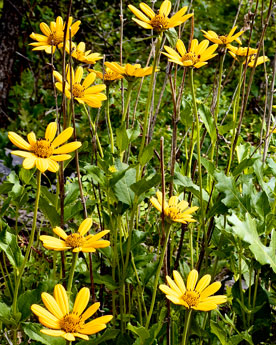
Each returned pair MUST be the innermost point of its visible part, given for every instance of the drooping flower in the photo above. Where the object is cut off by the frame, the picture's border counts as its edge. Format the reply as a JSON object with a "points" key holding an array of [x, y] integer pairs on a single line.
{"points": [[83, 93], [223, 39], [235, 52], [76, 241], [160, 21], [109, 75], [175, 211], [44, 153], [60, 322], [260, 60], [53, 36], [128, 71], [195, 296], [78, 52], [197, 55]]}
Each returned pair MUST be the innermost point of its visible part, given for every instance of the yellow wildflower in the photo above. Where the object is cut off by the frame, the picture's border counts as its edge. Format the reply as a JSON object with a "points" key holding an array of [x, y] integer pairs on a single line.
{"points": [[194, 296], [78, 52], [174, 211], [54, 35], [160, 21], [108, 76], [60, 322], [224, 39], [128, 71], [44, 153]]}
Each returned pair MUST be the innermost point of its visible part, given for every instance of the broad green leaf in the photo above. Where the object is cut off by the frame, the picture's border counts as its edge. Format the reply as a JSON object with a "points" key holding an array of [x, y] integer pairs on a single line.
{"points": [[186, 114], [189, 186], [49, 211], [5, 313], [122, 188], [133, 133], [207, 118], [171, 36], [33, 332], [8, 244], [26, 175], [142, 332], [26, 300], [247, 231], [72, 193], [109, 334], [72, 210], [95, 173], [47, 195], [144, 185], [147, 154], [219, 332], [122, 138]]}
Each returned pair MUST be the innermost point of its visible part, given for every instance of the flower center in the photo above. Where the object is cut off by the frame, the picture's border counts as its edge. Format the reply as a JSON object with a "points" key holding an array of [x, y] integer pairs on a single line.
{"points": [[223, 39], [78, 90], [159, 22], [74, 240], [191, 298], [71, 323], [189, 56], [43, 149], [172, 212], [55, 38]]}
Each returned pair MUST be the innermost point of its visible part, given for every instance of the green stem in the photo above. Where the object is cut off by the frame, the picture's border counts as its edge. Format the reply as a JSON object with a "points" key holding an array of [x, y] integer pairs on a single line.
{"points": [[108, 120], [240, 284], [71, 274], [148, 104], [31, 240], [191, 247], [198, 153], [168, 230], [94, 130], [186, 326], [235, 113], [128, 96]]}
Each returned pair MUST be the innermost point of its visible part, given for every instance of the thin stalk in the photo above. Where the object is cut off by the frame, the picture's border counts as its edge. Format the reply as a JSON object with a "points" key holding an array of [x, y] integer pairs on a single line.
{"points": [[148, 104], [191, 247], [240, 284], [161, 259], [31, 240], [108, 120], [71, 274], [186, 326], [128, 97], [94, 130]]}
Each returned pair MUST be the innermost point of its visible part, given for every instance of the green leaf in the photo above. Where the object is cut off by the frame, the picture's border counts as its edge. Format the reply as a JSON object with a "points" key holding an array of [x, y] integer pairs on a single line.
{"points": [[246, 163], [26, 300], [122, 188], [49, 211], [247, 231], [26, 175], [122, 138], [171, 36], [95, 173], [5, 313], [72, 210], [142, 332], [109, 334], [186, 114], [8, 244], [50, 197], [189, 186], [219, 332], [133, 133], [33, 332], [144, 185], [147, 154], [207, 118]]}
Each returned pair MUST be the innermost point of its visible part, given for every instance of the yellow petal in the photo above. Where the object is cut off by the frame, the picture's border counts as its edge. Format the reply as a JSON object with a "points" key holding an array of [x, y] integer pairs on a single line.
{"points": [[173, 201], [24, 154], [78, 75], [42, 312], [139, 14], [165, 8], [51, 131], [53, 333], [60, 158], [90, 78], [173, 286], [180, 47], [49, 323], [69, 337], [203, 283], [88, 329], [42, 164], [45, 29], [61, 298], [51, 304], [95, 89], [97, 236], [29, 163], [81, 301], [143, 24], [82, 336], [156, 204], [52, 165], [18, 141], [62, 137], [210, 290], [147, 10], [85, 226], [60, 232], [67, 148], [168, 291], [205, 306], [90, 311], [31, 138], [192, 279], [179, 281]]}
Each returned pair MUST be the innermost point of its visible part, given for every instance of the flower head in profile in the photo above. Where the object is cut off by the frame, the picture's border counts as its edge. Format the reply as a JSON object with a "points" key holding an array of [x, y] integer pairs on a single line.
{"points": [[78, 52], [260, 60], [76, 241], [240, 53], [195, 295], [109, 75], [60, 322], [53, 36], [83, 93], [159, 22], [175, 211], [44, 153], [223, 39], [128, 71], [197, 55]]}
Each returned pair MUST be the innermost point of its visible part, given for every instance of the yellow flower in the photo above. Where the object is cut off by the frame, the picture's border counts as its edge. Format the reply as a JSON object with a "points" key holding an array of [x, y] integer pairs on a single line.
{"points": [[53, 35], [76, 241], [260, 60], [78, 52], [60, 322], [109, 75], [130, 72], [159, 22], [112, 169], [174, 211], [195, 296], [44, 153], [83, 93], [235, 52], [223, 40], [196, 57]]}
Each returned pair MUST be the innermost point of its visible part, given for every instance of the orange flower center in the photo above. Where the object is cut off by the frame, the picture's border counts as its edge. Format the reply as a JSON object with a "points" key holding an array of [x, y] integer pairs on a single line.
{"points": [[79, 54], [172, 212], [74, 240], [78, 90], [190, 57], [71, 323], [111, 76], [191, 298], [43, 149], [55, 38], [159, 22], [223, 39]]}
